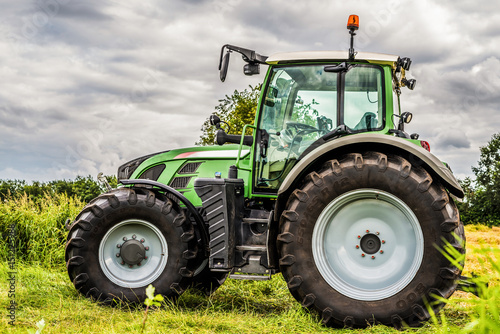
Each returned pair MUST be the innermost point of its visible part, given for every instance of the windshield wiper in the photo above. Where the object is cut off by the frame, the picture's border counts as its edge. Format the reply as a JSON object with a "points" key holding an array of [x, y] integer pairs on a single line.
{"points": [[342, 67]]}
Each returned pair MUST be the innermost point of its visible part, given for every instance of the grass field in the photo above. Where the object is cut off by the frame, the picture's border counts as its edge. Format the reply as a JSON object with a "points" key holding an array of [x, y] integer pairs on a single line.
{"points": [[43, 291]]}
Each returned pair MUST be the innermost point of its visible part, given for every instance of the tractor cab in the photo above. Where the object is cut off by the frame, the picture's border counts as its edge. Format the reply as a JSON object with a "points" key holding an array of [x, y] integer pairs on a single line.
{"points": [[310, 98], [305, 103]]}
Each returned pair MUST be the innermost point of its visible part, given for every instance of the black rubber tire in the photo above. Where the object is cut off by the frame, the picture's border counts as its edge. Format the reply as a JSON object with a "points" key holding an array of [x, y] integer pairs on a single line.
{"points": [[436, 213], [107, 210]]}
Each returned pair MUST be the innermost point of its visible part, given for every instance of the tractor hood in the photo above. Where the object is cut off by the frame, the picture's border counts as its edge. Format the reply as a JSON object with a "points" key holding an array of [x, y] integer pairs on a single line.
{"points": [[136, 168], [180, 167]]}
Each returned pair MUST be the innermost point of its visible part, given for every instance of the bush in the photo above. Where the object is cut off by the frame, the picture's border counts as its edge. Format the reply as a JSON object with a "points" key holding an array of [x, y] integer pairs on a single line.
{"points": [[40, 235], [85, 188]]}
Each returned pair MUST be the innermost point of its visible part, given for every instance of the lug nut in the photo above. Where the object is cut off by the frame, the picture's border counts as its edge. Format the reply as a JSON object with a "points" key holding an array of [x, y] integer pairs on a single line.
{"points": [[357, 246], [145, 258], [363, 255], [142, 240], [147, 248], [118, 246], [134, 236], [377, 233], [123, 262], [139, 264], [130, 266], [124, 238], [359, 237], [373, 257], [367, 231], [381, 252], [117, 254], [383, 241]]}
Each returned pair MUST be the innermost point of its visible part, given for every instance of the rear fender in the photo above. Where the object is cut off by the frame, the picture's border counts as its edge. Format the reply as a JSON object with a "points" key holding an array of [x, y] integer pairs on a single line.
{"points": [[362, 143]]}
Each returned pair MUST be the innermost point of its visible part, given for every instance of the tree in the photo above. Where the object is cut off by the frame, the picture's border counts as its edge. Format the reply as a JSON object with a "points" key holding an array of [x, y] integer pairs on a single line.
{"points": [[487, 192], [468, 209], [237, 110], [482, 196]]}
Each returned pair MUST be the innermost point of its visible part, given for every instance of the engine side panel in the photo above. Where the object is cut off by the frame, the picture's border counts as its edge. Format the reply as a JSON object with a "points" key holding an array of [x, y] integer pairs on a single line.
{"points": [[183, 167]]}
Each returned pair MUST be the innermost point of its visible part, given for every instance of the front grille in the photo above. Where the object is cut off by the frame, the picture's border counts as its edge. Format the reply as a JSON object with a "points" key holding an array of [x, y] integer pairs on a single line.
{"points": [[189, 168], [180, 182]]}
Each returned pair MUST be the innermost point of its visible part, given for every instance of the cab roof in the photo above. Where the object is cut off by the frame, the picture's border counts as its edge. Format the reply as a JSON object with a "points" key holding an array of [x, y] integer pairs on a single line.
{"points": [[305, 56]]}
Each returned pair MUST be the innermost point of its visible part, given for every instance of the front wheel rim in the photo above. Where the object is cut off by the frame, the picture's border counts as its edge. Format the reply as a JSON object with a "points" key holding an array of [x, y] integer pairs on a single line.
{"points": [[367, 244], [119, 268]]}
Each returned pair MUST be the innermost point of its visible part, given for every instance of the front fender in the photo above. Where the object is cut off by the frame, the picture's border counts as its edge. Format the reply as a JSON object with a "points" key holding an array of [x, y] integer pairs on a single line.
{"points": [[373, 141], [200, 222]]}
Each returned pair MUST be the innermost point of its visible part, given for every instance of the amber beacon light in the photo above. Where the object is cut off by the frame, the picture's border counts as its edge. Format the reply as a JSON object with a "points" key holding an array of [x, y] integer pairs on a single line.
{"points": [[353, 22]]}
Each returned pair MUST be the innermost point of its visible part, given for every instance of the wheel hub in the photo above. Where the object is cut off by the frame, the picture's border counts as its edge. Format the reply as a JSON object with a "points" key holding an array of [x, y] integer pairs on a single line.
{"points": [[370, 243], [132, 252]]}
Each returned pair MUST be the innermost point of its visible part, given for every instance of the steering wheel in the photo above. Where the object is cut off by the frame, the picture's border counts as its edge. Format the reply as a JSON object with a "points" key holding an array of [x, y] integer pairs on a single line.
{"points": [[301, 126], [300, 129]]}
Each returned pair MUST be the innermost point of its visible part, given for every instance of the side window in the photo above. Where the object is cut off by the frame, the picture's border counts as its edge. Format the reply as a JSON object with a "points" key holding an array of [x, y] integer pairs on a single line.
{"points": [[363, 100], [300, 106], [275, 102]]}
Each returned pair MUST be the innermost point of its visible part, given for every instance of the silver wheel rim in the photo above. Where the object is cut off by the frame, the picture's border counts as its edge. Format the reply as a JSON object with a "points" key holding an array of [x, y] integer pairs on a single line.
{"points": [[354, 269], [149, 269]]}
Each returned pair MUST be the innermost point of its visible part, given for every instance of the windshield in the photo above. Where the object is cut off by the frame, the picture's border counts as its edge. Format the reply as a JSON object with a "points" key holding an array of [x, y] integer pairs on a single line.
{"points": [[303, 103]]}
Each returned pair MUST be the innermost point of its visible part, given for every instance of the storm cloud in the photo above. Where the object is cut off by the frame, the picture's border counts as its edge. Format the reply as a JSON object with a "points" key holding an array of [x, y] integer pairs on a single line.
{"points": [[88, 85]]}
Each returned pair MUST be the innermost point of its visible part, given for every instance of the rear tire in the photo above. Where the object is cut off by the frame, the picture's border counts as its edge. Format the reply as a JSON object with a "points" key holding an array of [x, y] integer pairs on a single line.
{"points": [[359, 242], [125, 240]]}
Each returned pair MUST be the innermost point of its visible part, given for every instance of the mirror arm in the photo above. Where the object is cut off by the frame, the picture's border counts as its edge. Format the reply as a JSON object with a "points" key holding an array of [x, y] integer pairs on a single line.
{"points": [[249, 56]]}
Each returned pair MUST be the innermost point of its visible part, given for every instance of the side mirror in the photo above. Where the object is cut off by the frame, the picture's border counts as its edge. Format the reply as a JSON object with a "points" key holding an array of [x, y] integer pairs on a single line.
{"points": [[252, 58], [224, 64]]}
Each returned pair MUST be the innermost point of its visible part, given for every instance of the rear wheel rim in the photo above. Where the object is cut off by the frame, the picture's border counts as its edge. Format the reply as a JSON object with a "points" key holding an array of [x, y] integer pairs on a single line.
{"points": [[118, 267], [367, 244]]}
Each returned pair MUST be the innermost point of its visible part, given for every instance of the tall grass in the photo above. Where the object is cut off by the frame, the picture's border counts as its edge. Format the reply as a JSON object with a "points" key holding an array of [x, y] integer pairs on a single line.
{"points": [[483, 266], [44, 291], [40, 234]]}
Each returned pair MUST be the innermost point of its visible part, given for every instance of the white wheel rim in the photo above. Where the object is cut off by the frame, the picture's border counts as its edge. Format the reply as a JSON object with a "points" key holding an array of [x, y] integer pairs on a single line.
{"points": [[351, 268], [134, 276]]}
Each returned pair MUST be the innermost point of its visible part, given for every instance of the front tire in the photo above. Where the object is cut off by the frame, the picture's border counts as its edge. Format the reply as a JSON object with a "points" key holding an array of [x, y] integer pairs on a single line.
{"points": [[359, 242], [125, 240]]}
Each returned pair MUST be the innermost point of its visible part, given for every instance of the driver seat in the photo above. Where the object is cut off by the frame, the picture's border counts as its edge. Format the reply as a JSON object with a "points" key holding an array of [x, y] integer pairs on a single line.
{"points": [[368, 122]]}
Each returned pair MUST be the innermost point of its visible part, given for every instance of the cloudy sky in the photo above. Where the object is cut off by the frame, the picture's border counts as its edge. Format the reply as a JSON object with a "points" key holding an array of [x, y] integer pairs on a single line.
{"points": [[89, 85]]}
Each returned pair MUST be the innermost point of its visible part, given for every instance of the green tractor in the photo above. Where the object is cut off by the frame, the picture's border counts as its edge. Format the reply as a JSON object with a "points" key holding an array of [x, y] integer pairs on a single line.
{"points": [[329, 190]]}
